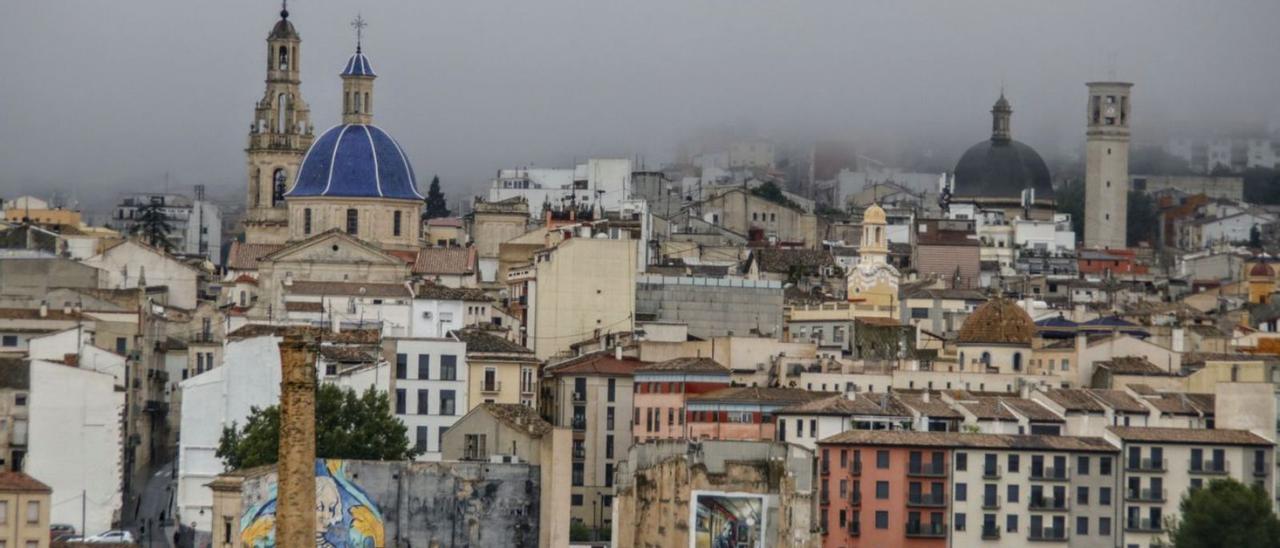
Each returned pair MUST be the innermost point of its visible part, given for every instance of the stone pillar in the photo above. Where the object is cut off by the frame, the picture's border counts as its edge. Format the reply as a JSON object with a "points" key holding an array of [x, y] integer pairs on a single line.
{"points": [[296, 488]]}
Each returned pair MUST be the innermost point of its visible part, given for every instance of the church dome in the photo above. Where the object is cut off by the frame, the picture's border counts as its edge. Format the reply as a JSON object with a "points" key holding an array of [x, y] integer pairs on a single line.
{"points": [[998, 321], [358, 65], [1262, 270], [1001, 167], [873, 215], [355, 161], [283, 28]]}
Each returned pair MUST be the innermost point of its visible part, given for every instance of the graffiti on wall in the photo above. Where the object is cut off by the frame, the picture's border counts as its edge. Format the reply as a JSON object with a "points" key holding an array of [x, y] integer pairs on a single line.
{"points": [[345, 517]]}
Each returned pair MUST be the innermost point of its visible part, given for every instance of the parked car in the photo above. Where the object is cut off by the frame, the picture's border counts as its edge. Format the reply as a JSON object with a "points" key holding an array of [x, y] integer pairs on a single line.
{"points": [[58, 530], [112, 536]]}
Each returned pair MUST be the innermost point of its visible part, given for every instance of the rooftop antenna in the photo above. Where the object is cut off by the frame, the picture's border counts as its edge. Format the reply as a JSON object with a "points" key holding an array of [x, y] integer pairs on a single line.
{"points": [[358, 24]]}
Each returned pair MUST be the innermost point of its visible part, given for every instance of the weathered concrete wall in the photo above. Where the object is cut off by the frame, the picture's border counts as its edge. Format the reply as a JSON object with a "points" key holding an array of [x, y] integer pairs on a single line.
{"points": [[712, 307], [401, 504]]}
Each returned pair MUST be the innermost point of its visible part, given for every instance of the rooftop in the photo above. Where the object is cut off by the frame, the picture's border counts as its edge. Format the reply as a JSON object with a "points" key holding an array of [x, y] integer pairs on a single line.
{"points": [[1187, 436], [757, 394], [445, 261], [518, 416], [838, 404], [1133, 365], [348, 288], [479, 341], [596, 363], [685, 365], [11, 482], [1015, 442]]}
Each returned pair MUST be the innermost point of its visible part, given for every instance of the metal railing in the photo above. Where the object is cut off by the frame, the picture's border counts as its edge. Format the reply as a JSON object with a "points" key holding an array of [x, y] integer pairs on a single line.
{"points": [[1047, 503], [931, 469], [991, 472], [930, 530], [990, 532], [926, 499], [1143, 525], [1050, 474], [1145, 495], [578, 423], [491, 387], [1147, 465], [1209, 467], [1048, 533]]}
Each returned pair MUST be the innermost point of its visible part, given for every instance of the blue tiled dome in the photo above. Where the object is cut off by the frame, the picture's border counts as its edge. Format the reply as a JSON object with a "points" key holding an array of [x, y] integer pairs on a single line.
{"points": [[356, 161], [358, 65]]}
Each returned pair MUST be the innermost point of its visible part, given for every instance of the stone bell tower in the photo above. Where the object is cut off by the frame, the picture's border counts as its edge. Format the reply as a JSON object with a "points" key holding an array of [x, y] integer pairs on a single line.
{"points": [[279, 137], [1106, 173]]}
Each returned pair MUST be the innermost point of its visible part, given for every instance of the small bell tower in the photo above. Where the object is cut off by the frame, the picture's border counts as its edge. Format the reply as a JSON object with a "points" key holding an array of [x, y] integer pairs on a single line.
{"points": [[357, 82]]}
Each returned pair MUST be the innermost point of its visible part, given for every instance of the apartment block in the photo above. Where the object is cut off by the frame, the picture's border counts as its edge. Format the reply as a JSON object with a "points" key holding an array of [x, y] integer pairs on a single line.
{"points": [[662, 391], [429, 389]]}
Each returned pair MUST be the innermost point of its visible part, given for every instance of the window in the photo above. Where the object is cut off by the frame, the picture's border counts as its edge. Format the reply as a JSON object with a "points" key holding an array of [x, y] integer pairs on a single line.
{"points": [[353, 221], [1012, 493], [608, 418], [962, 461], [612, 389], [882, 519], [121, 345], [1082, 465], [1013, 463], [10, 340], [962, 492], [226, 530], [577, 474], [1082, 495], [882, 490], [882, 459], [4, 512], [1082, 525], [402, 366], [306, 221], [447, 406], [1011, 523], [33, 511], [395, 223], [1104, 466], [1104, 526], [1104, 496], [424, 366], [448, 368], [424, 397], [420, 441], [608, 446], [575, 499], [400, 403], [960, 521]]}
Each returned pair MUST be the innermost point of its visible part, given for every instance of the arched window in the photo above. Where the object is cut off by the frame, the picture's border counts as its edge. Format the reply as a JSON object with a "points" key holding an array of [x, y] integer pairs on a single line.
{"points": [[282, 105], [306, 221], [244, 299], [358, 104], [283, 61], [353, 221], [367, 107], [346, 102], [1017, 361], [278, 181], [986, 359], [962, 360], [877, 235]]}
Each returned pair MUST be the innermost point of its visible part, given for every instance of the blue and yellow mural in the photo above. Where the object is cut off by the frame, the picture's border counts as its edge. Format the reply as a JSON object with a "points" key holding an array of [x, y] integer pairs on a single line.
{"points": [[345, 517]]}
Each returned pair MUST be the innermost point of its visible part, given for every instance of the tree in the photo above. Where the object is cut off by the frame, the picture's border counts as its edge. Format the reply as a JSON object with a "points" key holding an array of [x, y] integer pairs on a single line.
{"points": [[1226, 513], [347, 427], [1141, 219], [771, 192], [153, 226], [436, 206]]}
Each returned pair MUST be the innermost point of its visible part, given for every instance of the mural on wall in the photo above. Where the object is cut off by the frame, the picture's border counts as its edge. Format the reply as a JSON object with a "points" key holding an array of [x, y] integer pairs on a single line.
{"points": [[345, 517], [728, 520]]}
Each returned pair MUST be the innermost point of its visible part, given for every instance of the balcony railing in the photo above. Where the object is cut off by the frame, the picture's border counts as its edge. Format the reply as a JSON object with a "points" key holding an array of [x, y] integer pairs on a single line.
{"points": [[990, 503], [1144, 525], [1048, 504], [1145, 495], [1050, 474], [855, 528], [1260, 470], [825, 497], [579, 453], [491, 387], [990, 532], [928, 530], [855, 467], [1147, 465], [923, 499], [579, 397], [991, 472], [826, 467], [855, 498], [1209, 467], [931, 469], [1048, 534], [579, 423]]}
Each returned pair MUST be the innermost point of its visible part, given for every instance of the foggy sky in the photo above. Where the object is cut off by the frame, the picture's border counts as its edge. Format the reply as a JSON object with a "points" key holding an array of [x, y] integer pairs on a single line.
{"points": [[110, 95]]}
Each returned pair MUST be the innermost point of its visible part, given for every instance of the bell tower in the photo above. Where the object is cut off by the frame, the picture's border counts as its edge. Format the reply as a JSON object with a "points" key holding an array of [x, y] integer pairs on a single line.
{"points": [[1106, 174], [279, 137], [357, 82]]}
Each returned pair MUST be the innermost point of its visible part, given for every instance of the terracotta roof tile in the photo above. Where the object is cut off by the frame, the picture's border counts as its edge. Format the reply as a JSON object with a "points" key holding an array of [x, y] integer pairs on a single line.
{"points": [[909, 438], [783, 260], [1075, 400], [243, 256], [445, 261], [19, 482], [294, 306], [519, 417], [350, 336], [597, 363], [757, 394], [999, 321], [685, 365], [1188, 436], [1133, 365], [1119, 400], [867, 405], [935, 407], [348, 288], [15, 373], [478, 341]]}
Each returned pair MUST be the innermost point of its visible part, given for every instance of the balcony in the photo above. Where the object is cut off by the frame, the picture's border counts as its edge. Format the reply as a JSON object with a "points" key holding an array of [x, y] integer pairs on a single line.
{"points": [[1260, 471], [1046, 504], [579, 423], [1144, 495], [855, 498], [991, 503], [990, 532], [1144, 525], [855, 529], [929, 470], [1049, 534], [826, 467], [926, 530], [824, 498], [930, 500], [991, 472], [490, 387], [1209, 467], [579, 397], [1147, 465], [1050, 474], [855, 468], [579, 452]]}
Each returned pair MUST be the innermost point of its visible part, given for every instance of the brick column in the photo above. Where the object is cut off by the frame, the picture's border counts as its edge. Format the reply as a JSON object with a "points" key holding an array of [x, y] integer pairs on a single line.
{"points": [[296, 488]]}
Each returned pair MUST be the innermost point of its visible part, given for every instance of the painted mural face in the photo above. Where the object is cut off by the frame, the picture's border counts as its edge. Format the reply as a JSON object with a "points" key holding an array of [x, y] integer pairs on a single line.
{"points": [[345, 516]]}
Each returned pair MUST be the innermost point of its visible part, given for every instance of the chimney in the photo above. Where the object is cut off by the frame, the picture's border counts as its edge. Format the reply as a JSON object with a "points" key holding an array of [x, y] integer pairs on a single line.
{"points": [[44, 309], [296, 486], [335, 324], [617, 352], [1178, 339], [66, 307], [1082, 342], [925, 396]]}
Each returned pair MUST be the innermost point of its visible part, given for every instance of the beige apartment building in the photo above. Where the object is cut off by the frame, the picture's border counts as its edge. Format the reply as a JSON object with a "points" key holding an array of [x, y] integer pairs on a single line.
{"points": [[500, 371], [580, 289], [24, 511], [592, 394]]}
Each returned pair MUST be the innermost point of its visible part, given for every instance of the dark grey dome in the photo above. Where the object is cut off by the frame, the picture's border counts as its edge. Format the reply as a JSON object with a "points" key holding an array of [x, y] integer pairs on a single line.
{"points": [[1002, 169]]}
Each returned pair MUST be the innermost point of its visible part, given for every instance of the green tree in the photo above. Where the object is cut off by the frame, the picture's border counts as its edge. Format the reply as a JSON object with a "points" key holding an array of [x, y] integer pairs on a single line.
{"points": [[153, 226], [771, 192], [1226, 513], [436, 206], [348, 426], [1142, 219]]}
